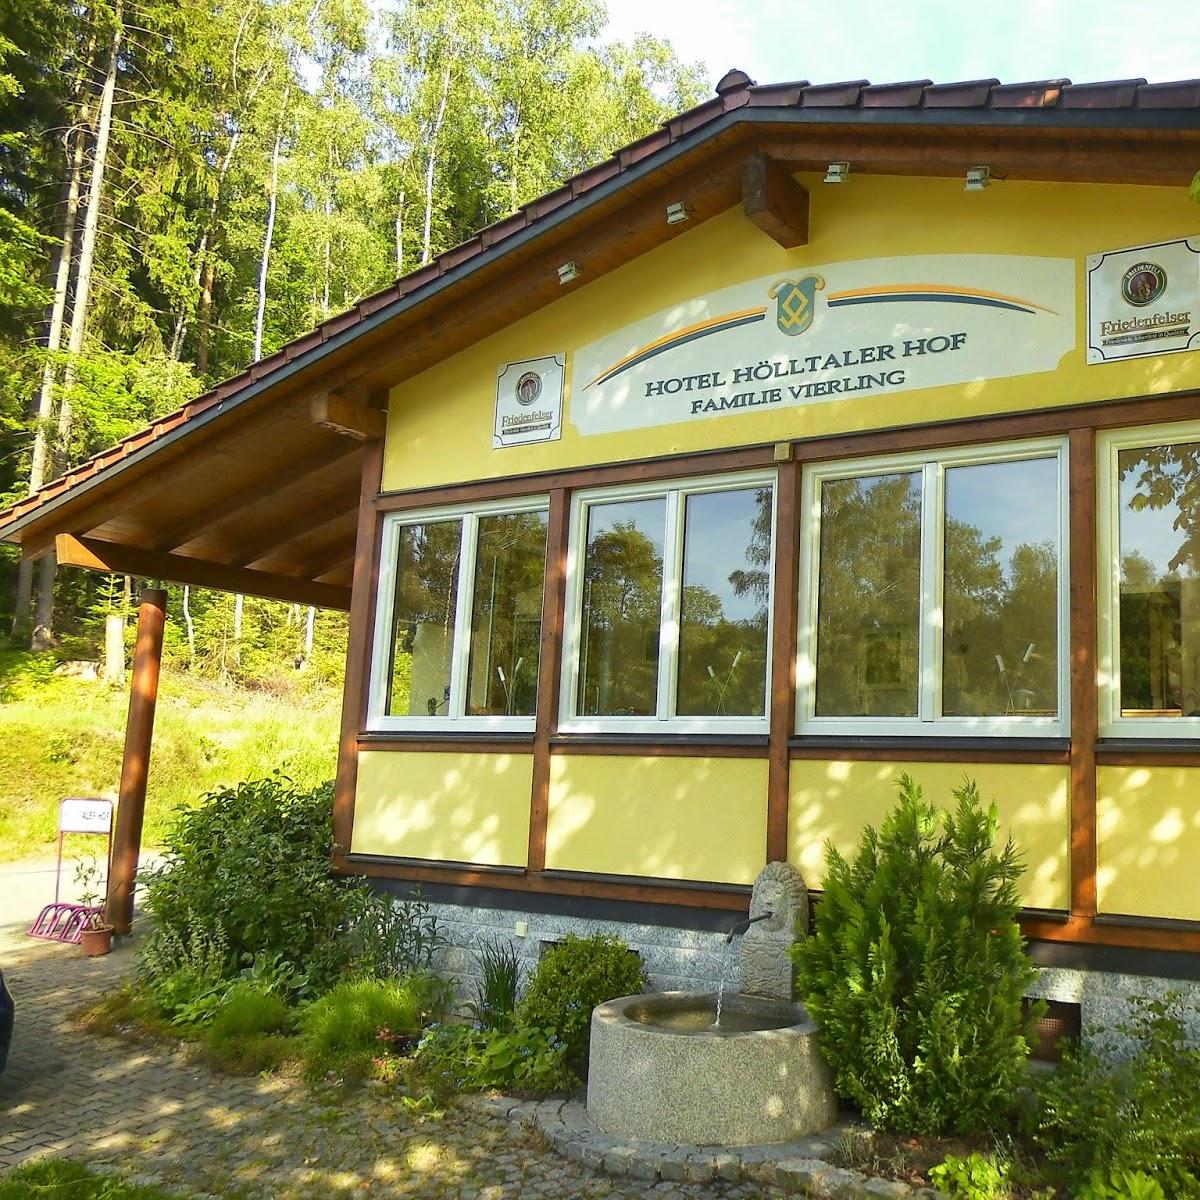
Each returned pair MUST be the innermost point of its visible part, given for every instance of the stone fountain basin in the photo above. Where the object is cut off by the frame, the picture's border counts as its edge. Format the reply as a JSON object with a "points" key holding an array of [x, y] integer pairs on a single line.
{"points": [[659, 1070]]}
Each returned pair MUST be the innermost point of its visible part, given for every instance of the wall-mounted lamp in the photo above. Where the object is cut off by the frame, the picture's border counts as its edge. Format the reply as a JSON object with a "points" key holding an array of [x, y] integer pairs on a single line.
{"points": [[677, 213], [568, 271], [978, 178], [837, 172]]}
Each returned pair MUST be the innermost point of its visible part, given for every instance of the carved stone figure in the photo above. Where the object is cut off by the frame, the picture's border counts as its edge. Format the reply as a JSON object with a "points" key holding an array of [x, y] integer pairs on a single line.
{"points": [[764, 968]]}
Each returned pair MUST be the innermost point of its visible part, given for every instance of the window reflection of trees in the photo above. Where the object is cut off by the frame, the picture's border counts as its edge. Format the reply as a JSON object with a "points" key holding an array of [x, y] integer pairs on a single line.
{"points": [[723, 659], [510, 565], [1160, 601], [622, 598], [427, 563]]}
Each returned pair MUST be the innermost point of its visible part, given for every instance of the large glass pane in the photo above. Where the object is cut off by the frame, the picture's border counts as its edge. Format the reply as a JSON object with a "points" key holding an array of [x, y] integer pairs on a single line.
{"points": [[1000, 603], [506, 615], [622, 597], [1160, 580], [423, 619], [869, 596], [723, 611]]}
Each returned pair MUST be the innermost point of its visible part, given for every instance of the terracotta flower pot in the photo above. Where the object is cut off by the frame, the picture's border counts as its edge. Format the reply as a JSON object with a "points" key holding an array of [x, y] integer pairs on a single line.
{"points": [[96, 942]]}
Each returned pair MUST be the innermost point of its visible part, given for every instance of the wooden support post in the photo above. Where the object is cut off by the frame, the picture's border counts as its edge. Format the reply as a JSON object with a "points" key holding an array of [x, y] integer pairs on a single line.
{"points": [[139, 737]]}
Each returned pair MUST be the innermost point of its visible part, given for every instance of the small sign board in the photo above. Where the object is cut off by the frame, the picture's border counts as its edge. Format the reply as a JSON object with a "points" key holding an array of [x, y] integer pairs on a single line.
{"points": [[529, 398], [1143, 301], [85, 815]]}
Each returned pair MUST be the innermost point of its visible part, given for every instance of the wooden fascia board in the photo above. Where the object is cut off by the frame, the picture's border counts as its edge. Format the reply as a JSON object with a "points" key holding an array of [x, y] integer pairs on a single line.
{"points": [[152, 564]]}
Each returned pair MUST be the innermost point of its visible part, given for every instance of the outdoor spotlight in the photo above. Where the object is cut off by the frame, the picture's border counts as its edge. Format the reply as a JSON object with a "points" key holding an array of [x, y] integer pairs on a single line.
{"points": [[978, 178], [677, 213], [568, 271], [837, 172]]}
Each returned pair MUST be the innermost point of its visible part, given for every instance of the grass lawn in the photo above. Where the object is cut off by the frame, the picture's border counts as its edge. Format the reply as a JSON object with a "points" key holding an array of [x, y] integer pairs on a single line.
{"points": [[64, 737], [69, 1181]]}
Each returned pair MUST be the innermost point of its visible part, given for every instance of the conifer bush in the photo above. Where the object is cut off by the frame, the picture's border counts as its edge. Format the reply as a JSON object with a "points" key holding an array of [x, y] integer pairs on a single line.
{"points": [[916, 970]]}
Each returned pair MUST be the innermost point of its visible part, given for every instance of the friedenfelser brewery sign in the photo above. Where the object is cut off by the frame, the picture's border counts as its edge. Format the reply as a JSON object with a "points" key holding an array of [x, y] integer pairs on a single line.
{"points": [[1144, 301], [529, 401], [831, 332]]}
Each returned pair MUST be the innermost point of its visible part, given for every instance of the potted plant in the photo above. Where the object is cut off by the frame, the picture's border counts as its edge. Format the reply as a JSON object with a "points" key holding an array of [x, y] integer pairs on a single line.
{"points": [[96, 935]]}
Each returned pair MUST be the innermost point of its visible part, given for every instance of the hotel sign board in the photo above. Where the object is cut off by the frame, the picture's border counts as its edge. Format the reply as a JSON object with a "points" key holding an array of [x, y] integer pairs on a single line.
{"points": [[829, 332], [1143, 301], [529, 398]]}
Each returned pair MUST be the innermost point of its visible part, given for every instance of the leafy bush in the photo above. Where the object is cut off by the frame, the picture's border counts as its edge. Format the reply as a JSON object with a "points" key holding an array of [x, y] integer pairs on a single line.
{"points": [[247, 1008], [524, 1060], [393, 937], [1121, 1185], [186, 972], [499, 985], [251, 863], [916, 969], [572, 977], [976, 1177], [1101, 1118]]}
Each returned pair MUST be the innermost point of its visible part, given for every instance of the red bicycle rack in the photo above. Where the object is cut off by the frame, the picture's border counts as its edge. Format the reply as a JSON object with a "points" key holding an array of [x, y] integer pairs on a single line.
{"points": [[64, 921]]}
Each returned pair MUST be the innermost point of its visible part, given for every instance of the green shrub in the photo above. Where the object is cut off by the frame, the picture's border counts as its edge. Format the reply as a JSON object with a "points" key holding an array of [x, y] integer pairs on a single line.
{"points": [[361, 1018], [186, 973], [499, 985], [1121, 1185], [251, 1053], [251, 863], [976, 1177], [524, 1060], [572, 977], [247, 1008], [391, 937], [916, 969], [1103, 1118]]}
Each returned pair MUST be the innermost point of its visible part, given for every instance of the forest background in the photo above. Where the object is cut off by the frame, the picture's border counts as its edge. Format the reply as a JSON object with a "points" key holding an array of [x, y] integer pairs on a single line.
{"points": [[186, 185]]}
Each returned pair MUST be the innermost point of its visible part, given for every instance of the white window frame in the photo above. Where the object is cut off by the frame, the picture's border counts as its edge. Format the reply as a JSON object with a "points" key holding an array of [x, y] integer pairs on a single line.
{"points": [[456, 719], [1108, 582], [928, 722], [666, 721]]}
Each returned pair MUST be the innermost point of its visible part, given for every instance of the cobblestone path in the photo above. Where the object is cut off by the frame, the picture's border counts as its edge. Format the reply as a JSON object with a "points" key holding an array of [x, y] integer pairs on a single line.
{"points": [[152, 1115]]}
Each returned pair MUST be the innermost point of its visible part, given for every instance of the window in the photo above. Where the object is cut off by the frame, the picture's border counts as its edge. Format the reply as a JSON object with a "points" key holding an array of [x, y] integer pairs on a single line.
{"points": [[669, 600], [1149, 597], [934, 594], [458, 623]]}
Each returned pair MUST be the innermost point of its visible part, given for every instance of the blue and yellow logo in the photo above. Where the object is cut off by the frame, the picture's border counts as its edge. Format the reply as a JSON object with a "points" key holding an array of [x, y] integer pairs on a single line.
{"points": [[795, 303]]}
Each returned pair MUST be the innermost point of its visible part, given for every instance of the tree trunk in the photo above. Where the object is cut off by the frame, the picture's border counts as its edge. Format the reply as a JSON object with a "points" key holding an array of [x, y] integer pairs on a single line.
{"points": [[260, 316], [44, 410], [191, 626], [400, 236], [430, 166], [204, 322], [308, 636], [114, 647], [43, 620]]}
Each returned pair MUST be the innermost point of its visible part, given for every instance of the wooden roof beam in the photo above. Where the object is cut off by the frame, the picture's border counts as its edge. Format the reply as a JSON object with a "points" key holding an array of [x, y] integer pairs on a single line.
{"points": [[296, 526], [326, 555], [774, 201], [348, 413], [270, 485], [151, 564]]}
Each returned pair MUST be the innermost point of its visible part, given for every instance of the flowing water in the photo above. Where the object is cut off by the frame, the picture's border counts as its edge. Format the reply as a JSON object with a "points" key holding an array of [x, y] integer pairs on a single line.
{"points": [[721, 984]]}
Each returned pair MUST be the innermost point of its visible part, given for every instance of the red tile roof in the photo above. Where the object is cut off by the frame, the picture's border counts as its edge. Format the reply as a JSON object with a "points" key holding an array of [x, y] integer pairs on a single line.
{"points": [[973, 98]]}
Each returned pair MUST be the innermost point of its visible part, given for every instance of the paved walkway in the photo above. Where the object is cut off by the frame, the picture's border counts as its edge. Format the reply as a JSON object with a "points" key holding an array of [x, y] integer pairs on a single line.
{"points": [[153, 1115]]}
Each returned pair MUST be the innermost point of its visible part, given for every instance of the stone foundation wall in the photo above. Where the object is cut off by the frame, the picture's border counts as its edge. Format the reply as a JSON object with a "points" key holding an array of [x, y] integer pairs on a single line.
{"points": [[691, 960], [675, 959]]}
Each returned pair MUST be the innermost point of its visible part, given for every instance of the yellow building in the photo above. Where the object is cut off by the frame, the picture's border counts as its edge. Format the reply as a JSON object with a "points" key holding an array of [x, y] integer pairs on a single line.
{"points": [[826, 434]]}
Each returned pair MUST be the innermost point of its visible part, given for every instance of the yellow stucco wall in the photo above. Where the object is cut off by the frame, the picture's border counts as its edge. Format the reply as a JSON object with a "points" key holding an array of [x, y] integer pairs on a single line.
{"points": [[471, 808], [670, 818], [440, 422], [833, 801], [1148, 841]]}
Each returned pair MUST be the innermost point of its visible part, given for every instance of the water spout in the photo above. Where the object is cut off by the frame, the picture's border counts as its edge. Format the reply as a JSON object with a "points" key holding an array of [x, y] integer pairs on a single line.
{"points": [[739, 927]]}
